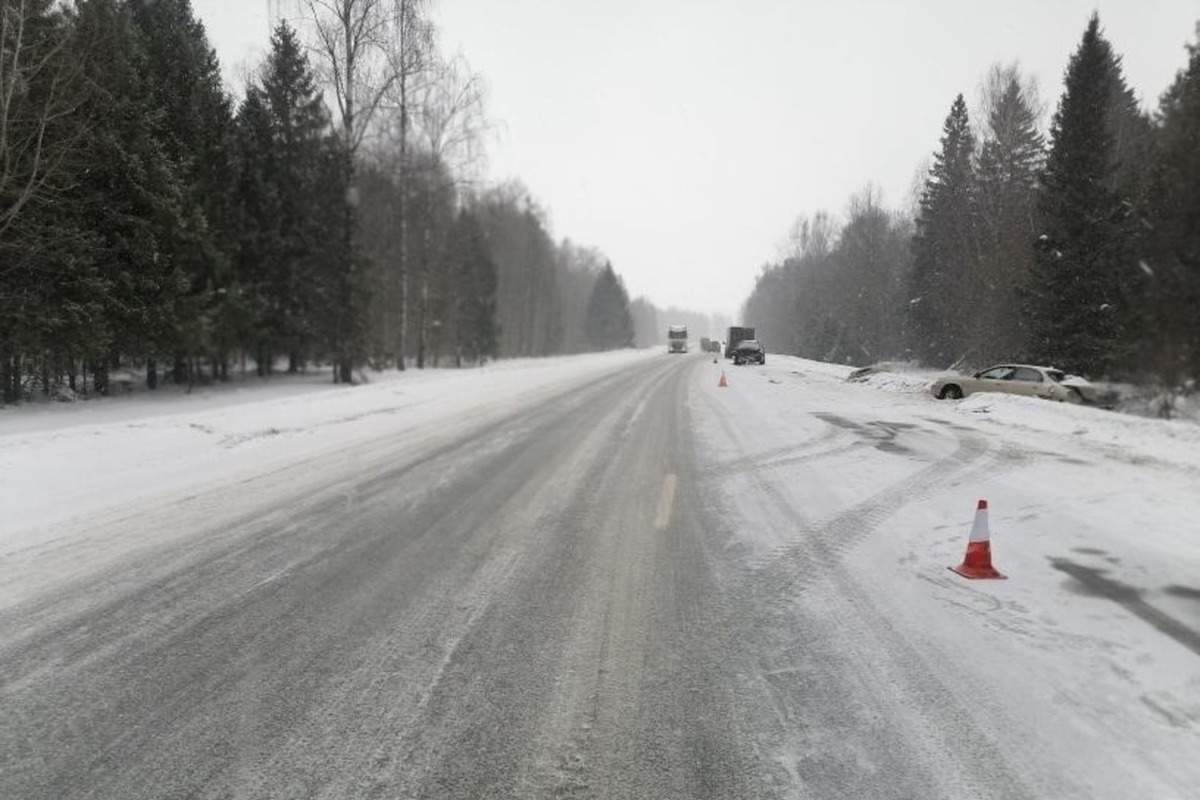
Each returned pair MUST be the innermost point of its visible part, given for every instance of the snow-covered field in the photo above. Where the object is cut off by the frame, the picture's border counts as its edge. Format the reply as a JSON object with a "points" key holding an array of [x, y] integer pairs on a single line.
{"points": [[1086, 661]]}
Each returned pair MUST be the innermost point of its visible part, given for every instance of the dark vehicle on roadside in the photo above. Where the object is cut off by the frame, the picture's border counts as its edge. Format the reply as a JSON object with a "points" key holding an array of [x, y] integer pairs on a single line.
{"points": [[737, 335], [749, 351]]}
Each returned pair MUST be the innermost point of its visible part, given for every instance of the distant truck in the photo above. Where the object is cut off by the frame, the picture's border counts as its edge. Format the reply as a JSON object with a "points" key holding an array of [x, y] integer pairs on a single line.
{"points": [[677, 339], [737, 335]]}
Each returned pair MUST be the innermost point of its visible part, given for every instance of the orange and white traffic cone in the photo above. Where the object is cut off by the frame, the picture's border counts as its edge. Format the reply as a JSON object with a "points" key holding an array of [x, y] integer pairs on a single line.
{"points": [[978, 561], [721, 384]]}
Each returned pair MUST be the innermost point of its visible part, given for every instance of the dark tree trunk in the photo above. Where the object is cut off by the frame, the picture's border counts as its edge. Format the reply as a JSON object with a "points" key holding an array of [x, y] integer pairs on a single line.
{"points": [[100, 377], [151, 374], [6, 389]]}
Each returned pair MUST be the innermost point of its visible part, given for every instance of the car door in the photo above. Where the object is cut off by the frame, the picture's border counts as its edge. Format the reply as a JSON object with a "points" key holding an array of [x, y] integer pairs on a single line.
{"points": [[992, 379], [1026, 381]]}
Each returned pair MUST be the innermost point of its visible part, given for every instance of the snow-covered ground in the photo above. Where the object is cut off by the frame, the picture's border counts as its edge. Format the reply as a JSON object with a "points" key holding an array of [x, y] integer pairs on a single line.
{"points": [[1145, 401], [1086, 661], [66, 461]]}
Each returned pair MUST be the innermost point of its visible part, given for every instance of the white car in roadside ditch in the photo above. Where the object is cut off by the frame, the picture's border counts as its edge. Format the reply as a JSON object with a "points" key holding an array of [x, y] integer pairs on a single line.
{"points": [[1024, 379]]}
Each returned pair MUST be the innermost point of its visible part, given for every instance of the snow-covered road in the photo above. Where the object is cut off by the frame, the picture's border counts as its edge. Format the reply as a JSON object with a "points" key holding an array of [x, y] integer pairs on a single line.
{"points": [[1081, 671], [601, 576]]}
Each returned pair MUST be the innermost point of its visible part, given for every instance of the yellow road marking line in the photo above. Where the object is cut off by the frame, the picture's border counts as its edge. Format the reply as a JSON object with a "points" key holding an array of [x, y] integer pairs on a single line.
{"points": [[666, 502]]}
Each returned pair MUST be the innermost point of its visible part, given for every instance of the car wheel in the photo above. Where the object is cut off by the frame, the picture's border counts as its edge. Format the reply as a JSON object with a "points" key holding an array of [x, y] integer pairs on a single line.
{"points": [[1074, 396], [951, 392]]}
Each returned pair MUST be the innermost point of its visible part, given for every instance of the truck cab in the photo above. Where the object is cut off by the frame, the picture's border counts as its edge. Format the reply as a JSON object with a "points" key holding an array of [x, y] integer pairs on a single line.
{"points": [[737, 335], [677, 339]]}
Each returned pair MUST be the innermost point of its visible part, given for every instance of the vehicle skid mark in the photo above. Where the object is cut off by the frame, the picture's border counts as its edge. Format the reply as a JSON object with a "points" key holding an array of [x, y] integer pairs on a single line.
{"points": [[824, 544], [826, 637], [782, 455]]}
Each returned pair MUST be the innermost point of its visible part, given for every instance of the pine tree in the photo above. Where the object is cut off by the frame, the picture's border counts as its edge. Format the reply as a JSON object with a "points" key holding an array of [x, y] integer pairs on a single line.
{"points": [[870, 268], [260, 264], [577, 271], [473, 318], [339, 290], [646, 329], [609, 324], [945, 246], [129, 193], [288, 214], [527, 294], [1079, 302], [185, 87], [1010, 162], [1176, 261]]}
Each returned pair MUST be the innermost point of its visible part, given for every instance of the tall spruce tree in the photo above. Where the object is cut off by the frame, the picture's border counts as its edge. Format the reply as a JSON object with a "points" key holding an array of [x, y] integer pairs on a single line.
{"points": [[527, 296], [1081, 298], [609, 324], [289, 217], [945, 246], [870, 268], [473, 309], [1009, 166], [259, 264], [129, 194], [1176, 261], [185, 87]]}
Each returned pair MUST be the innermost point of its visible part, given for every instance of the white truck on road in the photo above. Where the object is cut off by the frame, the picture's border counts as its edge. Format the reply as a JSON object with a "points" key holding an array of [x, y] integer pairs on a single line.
{"points": [[677, 339]]}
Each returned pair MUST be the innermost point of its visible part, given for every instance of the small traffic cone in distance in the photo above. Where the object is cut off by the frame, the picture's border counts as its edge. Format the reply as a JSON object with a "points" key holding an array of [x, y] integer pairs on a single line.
{"points": [[721, 384], [978, 562]]}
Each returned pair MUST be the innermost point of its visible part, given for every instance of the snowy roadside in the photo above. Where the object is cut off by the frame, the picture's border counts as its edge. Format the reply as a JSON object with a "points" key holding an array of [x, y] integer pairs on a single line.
{"points": [[1145, 402], [1135, 437], [64, 462], [1085, 663]]}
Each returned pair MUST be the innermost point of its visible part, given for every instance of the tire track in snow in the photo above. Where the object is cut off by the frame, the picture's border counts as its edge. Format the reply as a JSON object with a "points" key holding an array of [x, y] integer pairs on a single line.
{"points": [[850, 707]]}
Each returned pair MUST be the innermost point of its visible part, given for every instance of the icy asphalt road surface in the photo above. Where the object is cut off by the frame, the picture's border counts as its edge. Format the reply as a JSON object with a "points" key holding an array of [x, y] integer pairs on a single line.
{"points": [[613, 593]]}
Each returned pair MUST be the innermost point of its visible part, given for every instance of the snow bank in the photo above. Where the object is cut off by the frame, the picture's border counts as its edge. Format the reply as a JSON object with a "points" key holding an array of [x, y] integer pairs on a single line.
{"points": [[63, 461], [1122, 436]]}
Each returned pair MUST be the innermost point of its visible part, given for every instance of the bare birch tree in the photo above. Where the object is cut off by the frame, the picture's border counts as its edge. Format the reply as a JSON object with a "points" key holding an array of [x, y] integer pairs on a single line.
{"points": [[450, 125], [38, 87], [353, 58], [412, 53], [39, 90]]}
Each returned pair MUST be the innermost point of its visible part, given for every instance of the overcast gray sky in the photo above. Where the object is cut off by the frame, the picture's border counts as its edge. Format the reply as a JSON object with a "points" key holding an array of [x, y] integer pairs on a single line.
{"points": [[682, 137]]}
